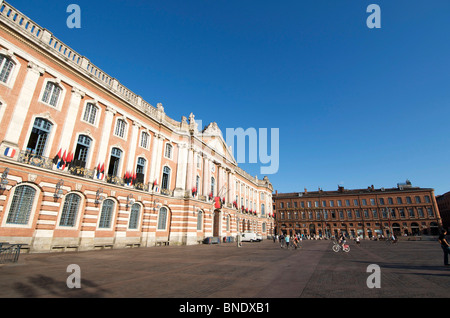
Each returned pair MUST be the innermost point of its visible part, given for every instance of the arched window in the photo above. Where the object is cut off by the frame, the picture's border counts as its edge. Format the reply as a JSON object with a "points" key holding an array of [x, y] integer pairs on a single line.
{"points": [[51, 94], [140, 169], [199, 220], [39, 136], [213, 185], [263, 212], [82, 151], [114, 162], [197, 183], [106, 214], [162, 218], [70, 210], [134, 216], [6, 66], [90, 113], [165, 178], [22, 203]]}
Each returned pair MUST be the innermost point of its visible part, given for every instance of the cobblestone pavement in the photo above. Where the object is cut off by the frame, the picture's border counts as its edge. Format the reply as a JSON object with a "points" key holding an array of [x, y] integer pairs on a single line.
{"points": [[256, 270]]}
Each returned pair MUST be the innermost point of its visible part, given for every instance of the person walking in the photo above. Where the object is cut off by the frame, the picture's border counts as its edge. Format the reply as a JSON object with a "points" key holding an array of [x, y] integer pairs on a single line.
{"points": [[287, 240], [445, 246], [295, 241], [238, 239]]}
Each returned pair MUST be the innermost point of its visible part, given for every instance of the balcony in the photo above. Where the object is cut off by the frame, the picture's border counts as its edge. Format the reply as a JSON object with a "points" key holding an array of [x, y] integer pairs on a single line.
{"points": [[76, 168]]}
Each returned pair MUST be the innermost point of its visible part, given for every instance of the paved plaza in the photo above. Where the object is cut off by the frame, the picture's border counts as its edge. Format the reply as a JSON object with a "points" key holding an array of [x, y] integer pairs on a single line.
{"points": [[256, 270]]}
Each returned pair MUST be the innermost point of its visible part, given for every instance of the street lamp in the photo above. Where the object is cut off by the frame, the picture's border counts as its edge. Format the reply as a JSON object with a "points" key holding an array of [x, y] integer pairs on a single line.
{"points": [[58, 191], [4, 180]]}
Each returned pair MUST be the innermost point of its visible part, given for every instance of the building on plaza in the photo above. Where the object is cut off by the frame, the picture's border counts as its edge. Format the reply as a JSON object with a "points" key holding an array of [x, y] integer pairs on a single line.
{"points": [[443, 202], [367, 213], [85, 163]]}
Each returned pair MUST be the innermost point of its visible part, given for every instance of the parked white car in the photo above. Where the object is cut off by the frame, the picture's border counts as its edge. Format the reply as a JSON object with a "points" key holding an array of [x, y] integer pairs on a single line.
{"points": [[248, 237], [259, 237]]}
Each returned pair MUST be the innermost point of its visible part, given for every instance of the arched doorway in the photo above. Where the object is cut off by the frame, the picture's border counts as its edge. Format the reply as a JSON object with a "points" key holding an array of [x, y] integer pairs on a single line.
{"points": [[396, 229], [434, 228], [312, 229], [415, 230]]}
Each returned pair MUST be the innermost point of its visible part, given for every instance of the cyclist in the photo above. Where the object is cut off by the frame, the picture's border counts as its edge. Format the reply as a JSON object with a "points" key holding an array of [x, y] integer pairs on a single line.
{"points": [[394, 239], [341, 240]]}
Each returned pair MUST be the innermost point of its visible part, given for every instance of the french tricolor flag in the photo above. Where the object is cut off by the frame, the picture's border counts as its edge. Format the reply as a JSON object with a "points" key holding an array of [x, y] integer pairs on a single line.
{"points": [[10, 152]]}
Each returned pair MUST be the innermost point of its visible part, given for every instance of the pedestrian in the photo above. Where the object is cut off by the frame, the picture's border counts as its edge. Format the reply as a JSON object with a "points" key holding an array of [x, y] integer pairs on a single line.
{"points": [[295, 241], [281, 240], [238, 239], [287, 240], [445, 246]]}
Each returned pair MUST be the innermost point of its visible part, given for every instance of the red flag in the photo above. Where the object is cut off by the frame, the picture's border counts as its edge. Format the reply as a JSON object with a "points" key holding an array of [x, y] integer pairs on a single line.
{"points": [[63, 160], [217, 203], [57, 157]]}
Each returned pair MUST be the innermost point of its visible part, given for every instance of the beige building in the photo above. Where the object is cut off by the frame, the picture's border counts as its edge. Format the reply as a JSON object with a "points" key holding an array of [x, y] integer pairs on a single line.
{"points": [[86, 163]]}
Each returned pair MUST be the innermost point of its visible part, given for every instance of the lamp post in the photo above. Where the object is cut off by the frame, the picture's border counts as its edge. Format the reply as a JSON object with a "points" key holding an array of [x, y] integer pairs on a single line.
{"points": [[4, 180], [58, 191]]}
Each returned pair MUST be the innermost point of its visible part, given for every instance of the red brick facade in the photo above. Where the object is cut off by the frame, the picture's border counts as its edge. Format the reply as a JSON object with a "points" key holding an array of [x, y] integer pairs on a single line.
{"points": [[367, 213]]}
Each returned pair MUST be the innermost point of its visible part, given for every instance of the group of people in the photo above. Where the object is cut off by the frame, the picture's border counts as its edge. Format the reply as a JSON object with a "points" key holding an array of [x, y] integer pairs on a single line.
{"points": [[288, 240]]}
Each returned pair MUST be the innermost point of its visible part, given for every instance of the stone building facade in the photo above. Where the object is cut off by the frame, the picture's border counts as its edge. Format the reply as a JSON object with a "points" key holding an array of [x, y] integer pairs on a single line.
{"points": [[443, 202], [367, 213], [85, 163]]}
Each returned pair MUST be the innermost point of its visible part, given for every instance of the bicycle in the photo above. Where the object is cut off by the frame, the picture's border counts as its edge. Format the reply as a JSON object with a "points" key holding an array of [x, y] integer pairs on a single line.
{"points": [[337, 247], [391, 241], [293, 246]]}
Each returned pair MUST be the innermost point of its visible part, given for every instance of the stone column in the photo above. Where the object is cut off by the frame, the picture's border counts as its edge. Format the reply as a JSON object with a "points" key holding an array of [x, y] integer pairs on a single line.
{"points": [[159, 156], [180, 184], [15, 127], [104, 141], [132, 150], [205, 176], [190, 183], [71, 119]]}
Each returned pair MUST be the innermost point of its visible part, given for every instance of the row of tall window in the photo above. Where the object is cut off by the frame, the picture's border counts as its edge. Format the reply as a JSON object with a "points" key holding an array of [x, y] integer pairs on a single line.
{"points": [[366, 213], [355, 202], [24, 196], [41, 132], [21, 207], [39, 138]]}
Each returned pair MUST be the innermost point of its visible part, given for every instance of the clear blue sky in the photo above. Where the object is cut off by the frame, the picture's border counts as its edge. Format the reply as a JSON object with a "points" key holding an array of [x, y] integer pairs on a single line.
{"points": [[355, 106]]}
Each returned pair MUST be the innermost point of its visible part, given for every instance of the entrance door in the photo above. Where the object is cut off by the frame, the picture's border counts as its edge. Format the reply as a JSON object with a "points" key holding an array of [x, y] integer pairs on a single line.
{"points": [[216, 226]]}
